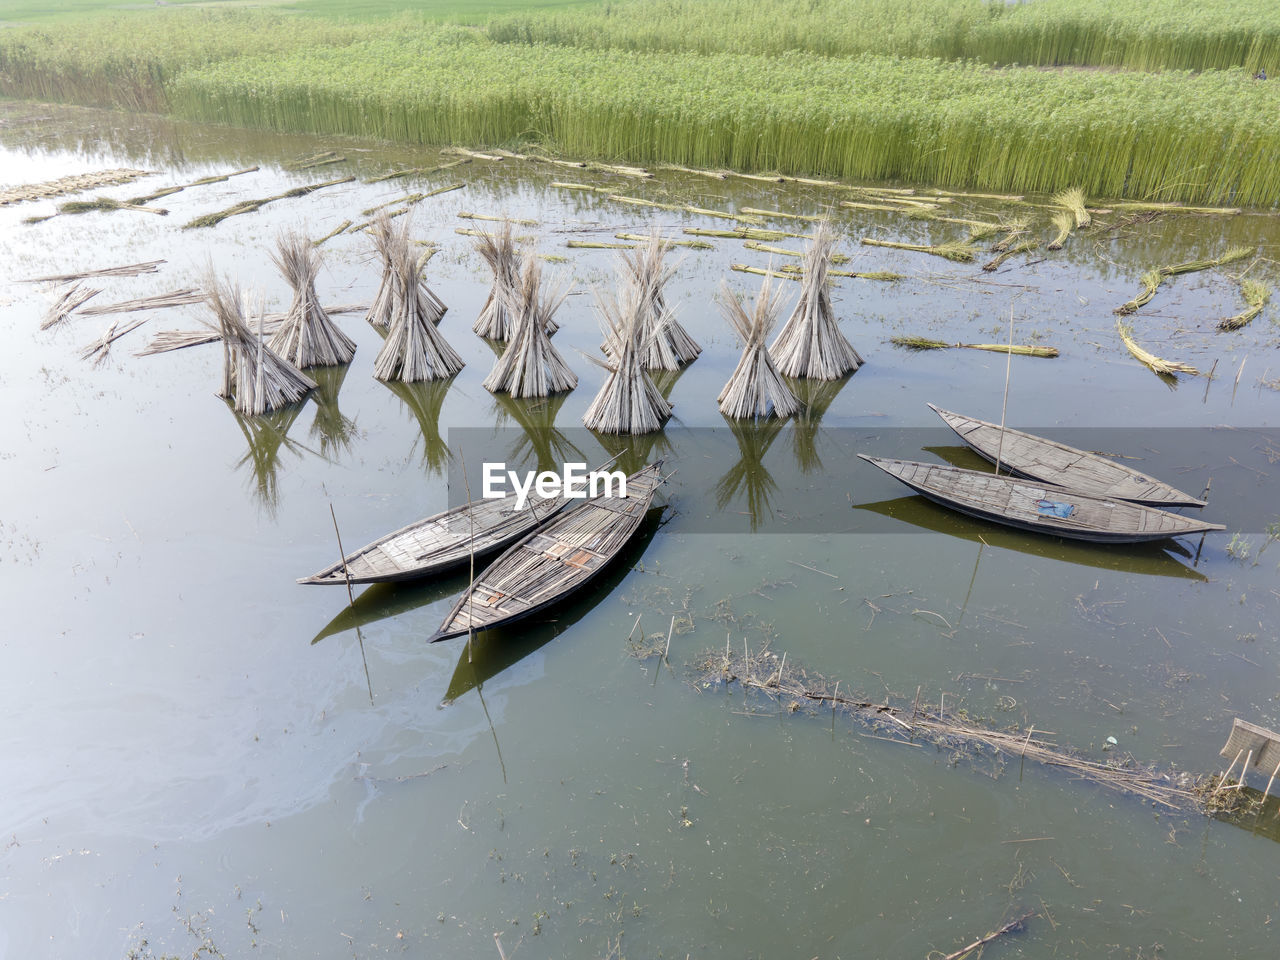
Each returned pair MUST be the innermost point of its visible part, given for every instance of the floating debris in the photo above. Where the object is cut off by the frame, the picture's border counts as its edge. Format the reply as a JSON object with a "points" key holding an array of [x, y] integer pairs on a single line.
{"points": [[331, 234], [1026, 246], [692, 244], [744, 233], [755, 389], [71, 184], [1256, 294], [780, 214], [782, 251], [98, 350], [629, 402], [62, 308], [598, 245], [249, 206], [1165, 367], [161, 301], [417, 171], [800, 690], [1019, 349], [954, 250], [531, 366], [130, 270], [169, 191], [317, 160], [465, 215], [253, 375], [414, 349], [307, 337], [1073, 201], [810, 343]]}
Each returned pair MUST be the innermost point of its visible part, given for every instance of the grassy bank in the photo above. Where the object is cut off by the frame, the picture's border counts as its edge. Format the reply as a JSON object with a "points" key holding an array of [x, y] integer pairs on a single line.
{"points": [[742, 102]]}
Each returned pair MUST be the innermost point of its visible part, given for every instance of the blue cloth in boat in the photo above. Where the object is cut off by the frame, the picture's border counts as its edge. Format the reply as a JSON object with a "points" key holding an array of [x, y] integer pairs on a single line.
{"points": [[1053, 508]]}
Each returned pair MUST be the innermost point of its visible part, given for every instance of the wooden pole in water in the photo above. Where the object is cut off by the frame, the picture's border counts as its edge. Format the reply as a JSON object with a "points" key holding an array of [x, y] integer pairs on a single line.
{"points": [[1008, 368], [1239, 754], [343, 554]]}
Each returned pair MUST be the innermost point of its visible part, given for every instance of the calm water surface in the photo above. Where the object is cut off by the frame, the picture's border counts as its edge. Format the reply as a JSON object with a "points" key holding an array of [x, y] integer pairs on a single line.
{"points": [[201, 752]]}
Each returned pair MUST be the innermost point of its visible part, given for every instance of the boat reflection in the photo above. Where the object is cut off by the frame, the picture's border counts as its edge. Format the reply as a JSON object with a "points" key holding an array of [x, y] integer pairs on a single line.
{"points": [[383, 600], [491, 652], [1153, 559]]}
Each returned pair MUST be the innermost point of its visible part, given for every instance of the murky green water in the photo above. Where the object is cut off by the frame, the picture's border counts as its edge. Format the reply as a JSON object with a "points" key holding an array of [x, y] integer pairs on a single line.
{"points": [[199, 750]]}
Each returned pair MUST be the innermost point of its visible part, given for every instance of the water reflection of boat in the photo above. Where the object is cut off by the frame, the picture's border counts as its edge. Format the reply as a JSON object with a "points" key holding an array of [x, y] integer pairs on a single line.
{"points": [[424, 399], [384, 600], [1049, 461], [749, 476], [1156, 560], [493, 651], [554, 561]]}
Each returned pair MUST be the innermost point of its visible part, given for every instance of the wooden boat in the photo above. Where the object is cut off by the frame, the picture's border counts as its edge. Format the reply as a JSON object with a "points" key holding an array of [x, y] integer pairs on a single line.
{"points": [[1051, 462], [441, 542], [1039, 507], [1161, 559], [554, 560]]}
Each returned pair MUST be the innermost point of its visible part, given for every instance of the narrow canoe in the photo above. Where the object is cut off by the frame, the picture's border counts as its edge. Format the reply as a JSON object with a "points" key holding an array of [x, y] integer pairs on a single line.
{"points": [[1039, 507], [441, 542], [554, 560], [1051, 462]]}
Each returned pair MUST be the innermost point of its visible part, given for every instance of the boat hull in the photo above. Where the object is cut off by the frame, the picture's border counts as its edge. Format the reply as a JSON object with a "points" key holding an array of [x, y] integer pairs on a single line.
{"points": [[1038, 458], [553, 561], [1039, 507]]}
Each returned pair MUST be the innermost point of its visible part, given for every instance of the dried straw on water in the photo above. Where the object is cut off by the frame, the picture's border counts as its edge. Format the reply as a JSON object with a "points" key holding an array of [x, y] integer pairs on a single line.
{"points": [[1256, 294], [666, 343], [414, 349], [531, 366], [629, 401], [307, 337], [755, 389], [499, 252], [393, 246], [1159, 365], [810, 343], [253, 375]]}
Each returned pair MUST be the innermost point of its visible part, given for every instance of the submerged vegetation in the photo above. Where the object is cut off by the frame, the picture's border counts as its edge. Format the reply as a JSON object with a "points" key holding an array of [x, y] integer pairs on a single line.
{"points": [[845, 88]]}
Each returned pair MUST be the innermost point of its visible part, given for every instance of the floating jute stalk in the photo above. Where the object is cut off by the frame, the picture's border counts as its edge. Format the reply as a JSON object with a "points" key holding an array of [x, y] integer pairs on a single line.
{"points": [[1026, 246], [1256, 294], [629, 402], [1018, 349], [253, 375], [755, 390], [414, 349], [1065, 222], [1165, 367], [307, 337], [531, 366], [954, 250], [1073, 200], [1150, 281], [810, 343]]}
